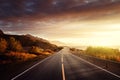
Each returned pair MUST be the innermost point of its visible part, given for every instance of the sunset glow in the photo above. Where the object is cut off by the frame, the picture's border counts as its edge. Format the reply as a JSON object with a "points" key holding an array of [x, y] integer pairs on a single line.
{"points": [[60, 39], [76, 25], [95, 33]]}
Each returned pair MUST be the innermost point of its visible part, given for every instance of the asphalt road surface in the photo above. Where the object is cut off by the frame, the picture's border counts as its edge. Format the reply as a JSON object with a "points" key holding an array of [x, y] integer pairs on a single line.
{"points": [[65, 66]]}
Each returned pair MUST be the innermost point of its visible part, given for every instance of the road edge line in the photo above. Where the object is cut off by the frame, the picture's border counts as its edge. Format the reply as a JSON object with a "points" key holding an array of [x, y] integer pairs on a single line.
{"points": [[30, 68], [98, 67]]}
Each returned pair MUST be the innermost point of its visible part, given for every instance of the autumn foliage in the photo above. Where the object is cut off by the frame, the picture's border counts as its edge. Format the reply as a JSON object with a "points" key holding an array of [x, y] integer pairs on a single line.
{"points": [[23, 47], [36, 50], [20, 56], [14, 45], [3, 45], [13, 51]]}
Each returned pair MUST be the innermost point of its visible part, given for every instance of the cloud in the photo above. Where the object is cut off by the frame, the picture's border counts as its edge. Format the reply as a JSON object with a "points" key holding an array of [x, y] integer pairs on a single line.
{"points": [[30, 8], [66, 20]]}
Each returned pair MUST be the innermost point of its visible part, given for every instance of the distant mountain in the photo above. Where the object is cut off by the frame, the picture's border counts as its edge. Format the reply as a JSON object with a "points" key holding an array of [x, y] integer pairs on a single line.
{"points": [[29, 41], [58, 43]]}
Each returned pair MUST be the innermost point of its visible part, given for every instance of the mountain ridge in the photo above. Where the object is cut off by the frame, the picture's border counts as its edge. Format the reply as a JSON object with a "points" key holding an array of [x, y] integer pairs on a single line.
{"points": [[29, 41]]}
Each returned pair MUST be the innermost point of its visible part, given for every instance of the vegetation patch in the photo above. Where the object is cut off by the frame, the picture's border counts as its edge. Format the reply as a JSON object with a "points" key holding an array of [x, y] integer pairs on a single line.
{"points": [[100, 52], [19, 56], [17, 48], [104, 53]]}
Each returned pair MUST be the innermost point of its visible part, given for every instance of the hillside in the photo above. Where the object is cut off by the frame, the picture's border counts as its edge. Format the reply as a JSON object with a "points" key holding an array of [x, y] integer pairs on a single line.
{"points": [[17, 48], [29, 41]]}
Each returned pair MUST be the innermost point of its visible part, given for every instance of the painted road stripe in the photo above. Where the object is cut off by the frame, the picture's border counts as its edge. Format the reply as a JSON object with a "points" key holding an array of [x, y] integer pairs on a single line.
{"points": [[63, 71], [62, 58], [30, 68], [99, 67]]}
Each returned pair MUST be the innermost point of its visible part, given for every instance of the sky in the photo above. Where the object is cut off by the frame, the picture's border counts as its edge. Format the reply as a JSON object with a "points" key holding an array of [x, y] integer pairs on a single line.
{"points": [[73, 22]]}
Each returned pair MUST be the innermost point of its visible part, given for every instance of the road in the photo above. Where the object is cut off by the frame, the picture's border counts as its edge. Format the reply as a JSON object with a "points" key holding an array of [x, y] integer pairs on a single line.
{"points": [[65, 66]]}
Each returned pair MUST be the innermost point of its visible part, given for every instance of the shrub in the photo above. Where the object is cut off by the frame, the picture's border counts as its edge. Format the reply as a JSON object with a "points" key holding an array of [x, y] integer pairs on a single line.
{"points": [[49, 50], [14, 45], [3, 45], [36, 50], [18, 56]]}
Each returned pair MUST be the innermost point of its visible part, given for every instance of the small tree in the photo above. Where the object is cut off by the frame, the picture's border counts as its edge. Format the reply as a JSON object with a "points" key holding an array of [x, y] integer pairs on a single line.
{"points": [[36, 50], [49, 51], [15, 45], [3, 45]]}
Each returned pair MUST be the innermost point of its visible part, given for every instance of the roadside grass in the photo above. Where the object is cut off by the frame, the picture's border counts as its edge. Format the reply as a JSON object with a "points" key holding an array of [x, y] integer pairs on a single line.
{"points": [[16, 57], [100, 52], [104, 53], [20, 56]]}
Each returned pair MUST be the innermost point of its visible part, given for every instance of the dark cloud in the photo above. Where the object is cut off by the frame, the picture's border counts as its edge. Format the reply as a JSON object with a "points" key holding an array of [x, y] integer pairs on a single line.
{"points": [[18, 15], [21, 8]]}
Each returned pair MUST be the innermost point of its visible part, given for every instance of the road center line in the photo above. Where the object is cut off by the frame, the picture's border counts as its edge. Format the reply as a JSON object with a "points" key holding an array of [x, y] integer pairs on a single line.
{"points": [[62, 58], [63, 71]]}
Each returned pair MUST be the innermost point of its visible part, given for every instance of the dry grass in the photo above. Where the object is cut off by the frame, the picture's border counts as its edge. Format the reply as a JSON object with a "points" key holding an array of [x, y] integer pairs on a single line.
{"points": [[104, 53], [19, 56], [99, 52]]}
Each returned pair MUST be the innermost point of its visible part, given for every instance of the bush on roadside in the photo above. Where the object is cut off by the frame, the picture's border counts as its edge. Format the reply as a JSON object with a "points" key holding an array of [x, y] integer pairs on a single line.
{"points": [[19, 56], [14, 45], [49, 51], [36, 50], [3, 45]]}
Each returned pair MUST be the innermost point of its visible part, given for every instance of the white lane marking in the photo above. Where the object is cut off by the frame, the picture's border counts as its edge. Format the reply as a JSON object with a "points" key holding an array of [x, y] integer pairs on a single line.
{"points": [[29, 68], [63, 71], [62, 58], [99, 67]]}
